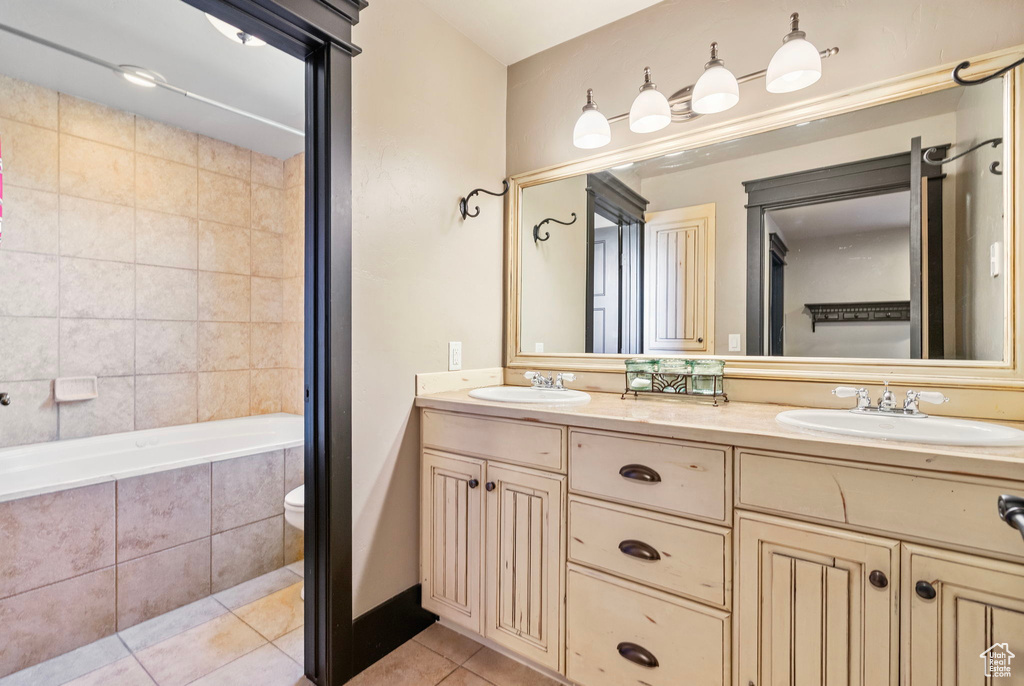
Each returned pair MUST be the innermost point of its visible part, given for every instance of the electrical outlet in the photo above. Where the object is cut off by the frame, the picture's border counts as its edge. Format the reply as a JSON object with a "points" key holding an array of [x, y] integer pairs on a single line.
{"points": [[538, 347], [734, 343], [454, 356], [995, 256]]}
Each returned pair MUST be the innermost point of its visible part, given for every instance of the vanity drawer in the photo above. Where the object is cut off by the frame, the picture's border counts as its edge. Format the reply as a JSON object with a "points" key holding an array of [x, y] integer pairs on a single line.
{"points": [[610, 621], [662, 474], [507, 440], [926, 506], [675, 555]]}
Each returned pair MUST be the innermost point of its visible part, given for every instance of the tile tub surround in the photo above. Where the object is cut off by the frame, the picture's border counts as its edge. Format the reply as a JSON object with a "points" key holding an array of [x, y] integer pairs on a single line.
{"points": [[82, 563], [166, 263]]}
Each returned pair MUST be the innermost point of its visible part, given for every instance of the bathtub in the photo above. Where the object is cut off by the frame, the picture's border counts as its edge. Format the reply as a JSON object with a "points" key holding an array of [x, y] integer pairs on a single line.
{"points": [[43, 467]]}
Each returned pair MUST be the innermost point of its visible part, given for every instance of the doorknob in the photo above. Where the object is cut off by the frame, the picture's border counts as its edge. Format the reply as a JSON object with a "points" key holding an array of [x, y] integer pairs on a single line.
{"points": [[473, 483], [489, 486]]}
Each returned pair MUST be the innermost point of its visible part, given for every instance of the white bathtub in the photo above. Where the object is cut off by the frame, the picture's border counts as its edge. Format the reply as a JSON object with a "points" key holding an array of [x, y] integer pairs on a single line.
{"points": [[43, 467]]}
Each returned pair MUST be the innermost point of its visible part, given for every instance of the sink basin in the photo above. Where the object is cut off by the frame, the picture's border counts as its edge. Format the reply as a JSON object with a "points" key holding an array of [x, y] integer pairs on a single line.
{"points": [[936, 430], [530, 395]]}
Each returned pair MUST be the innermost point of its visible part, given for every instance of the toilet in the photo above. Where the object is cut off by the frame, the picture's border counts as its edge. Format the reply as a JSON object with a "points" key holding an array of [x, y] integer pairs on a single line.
{"points": [[295, 514]]}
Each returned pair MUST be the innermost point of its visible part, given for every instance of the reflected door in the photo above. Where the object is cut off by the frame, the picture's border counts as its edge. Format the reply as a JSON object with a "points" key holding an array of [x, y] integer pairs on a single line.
{"points": [[606, 287]]}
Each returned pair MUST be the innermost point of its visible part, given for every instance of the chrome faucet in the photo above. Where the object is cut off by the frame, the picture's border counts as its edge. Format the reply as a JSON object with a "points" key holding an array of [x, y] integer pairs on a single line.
{"points": [[537, 380], [887, 404]]}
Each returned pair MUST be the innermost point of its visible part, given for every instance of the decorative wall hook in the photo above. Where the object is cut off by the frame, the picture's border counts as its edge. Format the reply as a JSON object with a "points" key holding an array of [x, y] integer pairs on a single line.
{"points": [[994, 167], [547, 234], [974, 82], [464, 202]]}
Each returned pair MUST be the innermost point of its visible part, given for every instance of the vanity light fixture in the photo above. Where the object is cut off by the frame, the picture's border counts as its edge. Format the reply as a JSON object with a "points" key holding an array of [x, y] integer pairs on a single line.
{"points": [[796, 65], [717, 89], [791, 68], [592, 129], [650, 110], [235, 34]]}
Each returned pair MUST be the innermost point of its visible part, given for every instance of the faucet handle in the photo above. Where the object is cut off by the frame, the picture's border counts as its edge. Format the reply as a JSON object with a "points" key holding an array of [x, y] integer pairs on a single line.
{"points": [[566, 376], [531, 375], [934, 397], [845, 391]]}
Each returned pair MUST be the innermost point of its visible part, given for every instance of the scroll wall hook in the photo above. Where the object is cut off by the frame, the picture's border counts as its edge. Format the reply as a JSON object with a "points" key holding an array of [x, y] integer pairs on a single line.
{"points": [[974, 82], [547, 234], [994, 167], [464, 202]]}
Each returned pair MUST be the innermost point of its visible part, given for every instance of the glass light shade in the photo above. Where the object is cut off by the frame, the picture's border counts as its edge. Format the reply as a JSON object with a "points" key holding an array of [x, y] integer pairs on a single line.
{"points": [[650, 112], [141, 77], [139, 80], [715, 91], [795, 65], [234, 33], [591, 130]]}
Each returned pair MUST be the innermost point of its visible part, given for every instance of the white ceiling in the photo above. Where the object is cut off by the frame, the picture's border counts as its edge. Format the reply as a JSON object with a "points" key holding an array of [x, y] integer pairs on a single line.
{"points": [[169, 37], [856, 215], [512, 31]]}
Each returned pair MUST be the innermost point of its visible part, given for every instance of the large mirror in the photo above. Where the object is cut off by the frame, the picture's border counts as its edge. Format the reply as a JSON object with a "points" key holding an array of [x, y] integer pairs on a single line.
{"points": [[878, 233]]}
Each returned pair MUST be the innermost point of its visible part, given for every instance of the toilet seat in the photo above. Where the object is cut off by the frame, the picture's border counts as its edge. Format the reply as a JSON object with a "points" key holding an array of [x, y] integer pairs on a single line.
{"points": [[296, 498]]}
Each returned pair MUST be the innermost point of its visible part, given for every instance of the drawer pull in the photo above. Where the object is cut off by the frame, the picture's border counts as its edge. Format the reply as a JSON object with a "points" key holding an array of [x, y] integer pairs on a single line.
{"points": [[637, 655], [489, 486], [925, 590], [639, 472], [473, 483], [640, 550], [878, 579]]}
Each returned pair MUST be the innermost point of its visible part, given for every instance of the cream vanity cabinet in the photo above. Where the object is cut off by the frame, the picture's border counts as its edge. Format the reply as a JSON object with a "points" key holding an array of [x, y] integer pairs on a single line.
{"points": [[492, 546]]}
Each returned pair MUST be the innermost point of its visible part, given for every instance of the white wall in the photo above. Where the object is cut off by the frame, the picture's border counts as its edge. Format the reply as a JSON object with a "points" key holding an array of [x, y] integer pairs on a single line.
{"points": [[428, 126]]}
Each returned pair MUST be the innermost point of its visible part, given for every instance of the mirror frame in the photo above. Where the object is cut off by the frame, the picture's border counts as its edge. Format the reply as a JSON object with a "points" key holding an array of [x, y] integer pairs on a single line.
{"points": [[1006, 374]]}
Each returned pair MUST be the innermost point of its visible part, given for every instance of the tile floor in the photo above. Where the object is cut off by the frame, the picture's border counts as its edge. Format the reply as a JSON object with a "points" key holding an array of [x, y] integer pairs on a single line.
{"points": [[252, 635]]}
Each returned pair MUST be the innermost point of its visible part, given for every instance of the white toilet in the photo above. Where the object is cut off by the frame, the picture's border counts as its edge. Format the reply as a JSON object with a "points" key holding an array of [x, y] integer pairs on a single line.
{"points": [[295, 514]]}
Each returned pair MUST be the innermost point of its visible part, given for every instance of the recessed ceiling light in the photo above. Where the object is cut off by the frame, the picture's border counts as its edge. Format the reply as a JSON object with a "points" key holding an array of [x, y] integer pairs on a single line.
{"points": [[141, 77], [624, 166], [234, 33]]}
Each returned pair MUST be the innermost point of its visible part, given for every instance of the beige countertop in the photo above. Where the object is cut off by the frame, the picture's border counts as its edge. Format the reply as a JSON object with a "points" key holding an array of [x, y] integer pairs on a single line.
{"points": [[751, 425]]}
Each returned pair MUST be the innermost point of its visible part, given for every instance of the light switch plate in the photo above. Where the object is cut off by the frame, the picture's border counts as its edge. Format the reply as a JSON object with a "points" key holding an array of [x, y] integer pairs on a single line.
{"points": [[454, 356], [734, 343], [538, 347], [995, 256]]}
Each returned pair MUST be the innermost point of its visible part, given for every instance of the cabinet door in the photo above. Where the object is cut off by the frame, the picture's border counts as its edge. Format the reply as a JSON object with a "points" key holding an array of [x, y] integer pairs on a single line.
{"points": [[525, 563], [976, 614], [815, 606], [450, 542]]}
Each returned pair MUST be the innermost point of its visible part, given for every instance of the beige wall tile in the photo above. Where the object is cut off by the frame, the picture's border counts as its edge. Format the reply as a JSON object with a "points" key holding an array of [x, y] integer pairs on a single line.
{"points": [[224, 248], [112, 412], [294, 468], [294, 544], [268, 208], [295, 210], [97, 171], [223, 346], [265, 390], [28, 348], [168, 142], [224, 158], [32, 415], [35, 624], [30, 156], [165, 186], [165, 347], [293, 300], [292, 400], [100, 230], [267, 299], [30, 220], [165, 240], [96, 122], [165, 400], [267, 170], [223, 199], [38, 551], [247, 552], [95, 288], [267, 348], [292, 346], [267, 254], [184, 658], [223, 395], [162, 510], [295, 170], [164, 581], [26, 102], [223, 297], [29, 284], [165, 293], [247, 489], [293, 254], [97, 347]]}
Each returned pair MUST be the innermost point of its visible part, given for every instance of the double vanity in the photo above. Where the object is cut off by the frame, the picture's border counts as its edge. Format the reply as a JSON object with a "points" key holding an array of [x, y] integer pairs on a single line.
{"points": [[644, 541]]}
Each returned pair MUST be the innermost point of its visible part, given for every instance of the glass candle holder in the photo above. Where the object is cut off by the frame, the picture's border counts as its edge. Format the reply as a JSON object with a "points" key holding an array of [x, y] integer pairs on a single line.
{"points": [[640, 374], [707, 377], [672, 375]]}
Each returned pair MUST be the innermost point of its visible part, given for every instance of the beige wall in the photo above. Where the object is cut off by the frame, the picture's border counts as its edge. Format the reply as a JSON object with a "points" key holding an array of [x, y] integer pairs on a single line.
{"points": [[429, 126], [145, 255], [878, 39]]}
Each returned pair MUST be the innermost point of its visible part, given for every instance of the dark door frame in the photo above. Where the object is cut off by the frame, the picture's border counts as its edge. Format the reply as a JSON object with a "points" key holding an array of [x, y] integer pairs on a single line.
{"points": [[874, 176], [319, 33]]}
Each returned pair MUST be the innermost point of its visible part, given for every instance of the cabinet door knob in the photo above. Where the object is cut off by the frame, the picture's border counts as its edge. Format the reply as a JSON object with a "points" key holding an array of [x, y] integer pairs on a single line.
{"points": [[473, 483], [878, 579], [639, 550], [637, 654], [925, 590], [489, 486], [639, 472]]}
